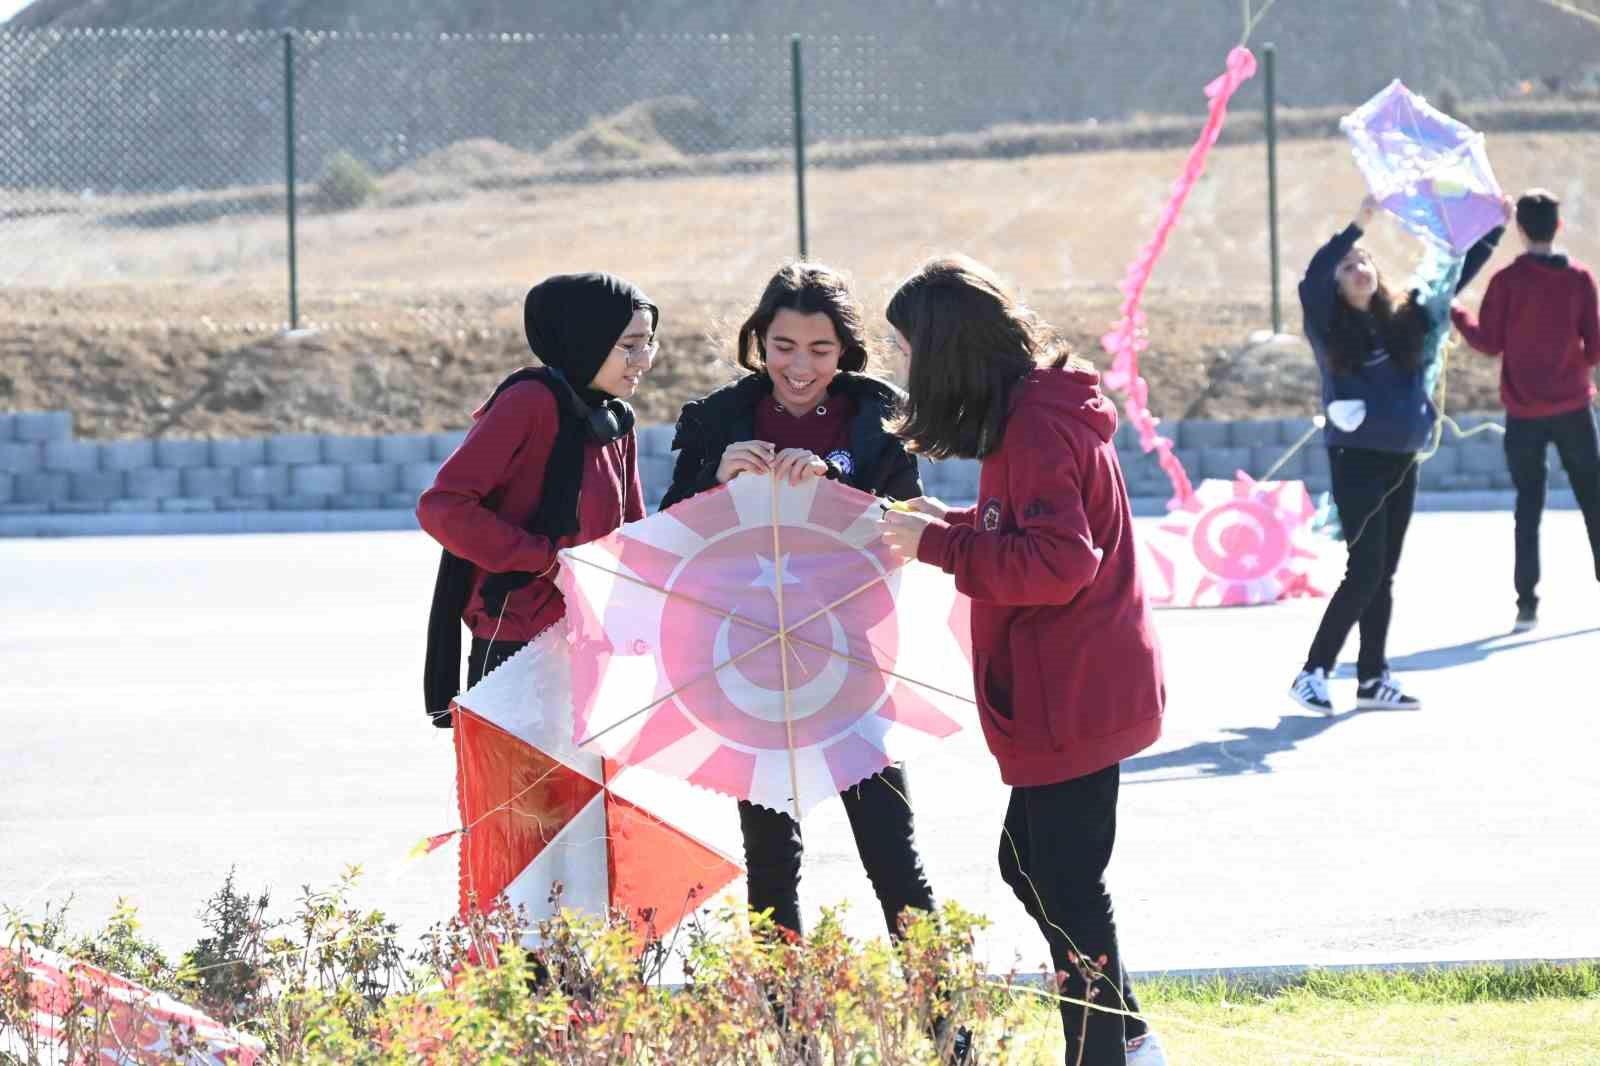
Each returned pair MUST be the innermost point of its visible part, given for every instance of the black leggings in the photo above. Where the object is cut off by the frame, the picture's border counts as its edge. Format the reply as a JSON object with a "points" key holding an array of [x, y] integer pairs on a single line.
{"points": [[1054, 850], [1376, 493], [879, 809]]}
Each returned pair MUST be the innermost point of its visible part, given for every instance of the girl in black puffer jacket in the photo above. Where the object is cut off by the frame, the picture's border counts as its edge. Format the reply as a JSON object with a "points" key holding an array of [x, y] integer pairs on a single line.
{"points": [[807, 409]]}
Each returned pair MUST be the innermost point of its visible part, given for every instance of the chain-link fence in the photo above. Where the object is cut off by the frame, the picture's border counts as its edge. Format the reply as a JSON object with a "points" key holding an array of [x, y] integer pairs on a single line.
{"points": [[145, 177], [150, 159]]}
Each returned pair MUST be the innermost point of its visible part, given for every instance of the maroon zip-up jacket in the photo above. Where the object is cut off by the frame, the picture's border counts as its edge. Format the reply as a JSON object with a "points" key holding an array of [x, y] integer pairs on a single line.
{"points": [[491, 484], [1065, 659]]}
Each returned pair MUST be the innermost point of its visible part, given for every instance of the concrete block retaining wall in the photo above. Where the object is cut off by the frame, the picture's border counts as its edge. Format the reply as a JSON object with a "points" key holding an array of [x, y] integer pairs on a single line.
{"points": [[45, 470]]}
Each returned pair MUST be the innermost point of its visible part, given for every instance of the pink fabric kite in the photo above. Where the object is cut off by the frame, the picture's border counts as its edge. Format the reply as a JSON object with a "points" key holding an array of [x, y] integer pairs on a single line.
{"points": [[1128, 339]]}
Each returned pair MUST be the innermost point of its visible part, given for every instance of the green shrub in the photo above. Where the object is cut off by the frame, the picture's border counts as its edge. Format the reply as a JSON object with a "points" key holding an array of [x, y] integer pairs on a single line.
{"points": [[331, 985], [345, 183]]}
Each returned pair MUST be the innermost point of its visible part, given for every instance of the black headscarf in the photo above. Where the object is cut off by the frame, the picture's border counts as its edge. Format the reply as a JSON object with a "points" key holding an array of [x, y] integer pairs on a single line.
{"points": [[572, 322]]}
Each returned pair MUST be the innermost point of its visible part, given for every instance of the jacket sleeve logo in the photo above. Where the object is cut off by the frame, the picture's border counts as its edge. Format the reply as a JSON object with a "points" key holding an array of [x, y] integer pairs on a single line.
{"points": [[991, 516]]}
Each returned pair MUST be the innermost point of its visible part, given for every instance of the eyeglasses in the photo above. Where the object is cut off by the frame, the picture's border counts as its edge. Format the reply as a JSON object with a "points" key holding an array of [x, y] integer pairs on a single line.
{"points": [[638, 354]]}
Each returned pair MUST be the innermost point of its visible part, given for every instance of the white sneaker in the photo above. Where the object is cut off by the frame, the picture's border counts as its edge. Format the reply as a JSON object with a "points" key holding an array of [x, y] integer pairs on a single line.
{"points": [[1146, 1051], [1310, 690], [1384, 694]]}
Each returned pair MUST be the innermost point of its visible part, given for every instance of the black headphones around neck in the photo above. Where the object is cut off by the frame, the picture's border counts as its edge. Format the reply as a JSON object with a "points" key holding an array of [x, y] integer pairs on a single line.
{"points": [[600, 423]]}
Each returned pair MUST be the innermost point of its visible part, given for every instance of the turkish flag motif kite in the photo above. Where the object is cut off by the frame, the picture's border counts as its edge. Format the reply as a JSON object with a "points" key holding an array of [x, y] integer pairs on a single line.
{"points": [[123, 1022], [1233, 544], [761, 641], [1430, 170], [539, 812]]}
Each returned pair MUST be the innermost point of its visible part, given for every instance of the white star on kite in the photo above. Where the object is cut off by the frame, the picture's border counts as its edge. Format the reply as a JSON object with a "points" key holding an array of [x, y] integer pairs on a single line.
{"points": [[769, 574]]}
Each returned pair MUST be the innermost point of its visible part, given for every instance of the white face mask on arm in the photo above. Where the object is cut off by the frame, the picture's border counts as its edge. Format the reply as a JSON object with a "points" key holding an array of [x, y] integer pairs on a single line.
{"points": [[1346, 415]]}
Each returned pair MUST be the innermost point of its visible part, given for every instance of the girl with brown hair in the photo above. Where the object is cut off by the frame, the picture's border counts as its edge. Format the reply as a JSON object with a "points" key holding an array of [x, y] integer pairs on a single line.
{"points": [[1377, 350], [1065, 663]]}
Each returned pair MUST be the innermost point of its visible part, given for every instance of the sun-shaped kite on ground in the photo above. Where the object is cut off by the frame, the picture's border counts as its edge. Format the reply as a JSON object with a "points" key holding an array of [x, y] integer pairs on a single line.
{"points": [[1233, 544]]}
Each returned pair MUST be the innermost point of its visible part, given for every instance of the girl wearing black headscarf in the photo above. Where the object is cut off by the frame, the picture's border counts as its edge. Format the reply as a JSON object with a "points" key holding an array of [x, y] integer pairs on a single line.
{"points": [[550, 461]]}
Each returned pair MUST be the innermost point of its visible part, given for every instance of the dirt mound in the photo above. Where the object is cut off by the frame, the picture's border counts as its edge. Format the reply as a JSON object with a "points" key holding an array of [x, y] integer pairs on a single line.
{"points": [[1268, 373], [405, 373], [476, 157], [661, 130]]}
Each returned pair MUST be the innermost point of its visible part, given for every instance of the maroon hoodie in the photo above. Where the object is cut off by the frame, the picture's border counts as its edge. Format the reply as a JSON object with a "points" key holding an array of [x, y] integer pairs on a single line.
{"points": [[1539, 314], [492, 483], [1065, 660]]}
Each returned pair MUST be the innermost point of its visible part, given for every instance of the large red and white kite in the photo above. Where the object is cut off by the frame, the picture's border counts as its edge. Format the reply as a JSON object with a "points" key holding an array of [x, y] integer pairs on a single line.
{"points": [[760, 641], [540, 812]]}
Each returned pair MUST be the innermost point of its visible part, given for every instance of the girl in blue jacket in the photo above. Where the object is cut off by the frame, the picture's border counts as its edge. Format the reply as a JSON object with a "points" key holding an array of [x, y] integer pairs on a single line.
{"points": [[1378, 351]]}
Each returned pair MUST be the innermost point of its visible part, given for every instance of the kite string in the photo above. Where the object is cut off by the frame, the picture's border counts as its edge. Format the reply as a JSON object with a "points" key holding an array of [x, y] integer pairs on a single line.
{"points": [[1575, 12], [1123, 1010], [1251, 21]]}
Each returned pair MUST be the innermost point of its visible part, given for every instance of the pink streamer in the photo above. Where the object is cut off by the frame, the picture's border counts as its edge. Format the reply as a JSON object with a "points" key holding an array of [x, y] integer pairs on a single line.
{"points": [[1128, 339]]}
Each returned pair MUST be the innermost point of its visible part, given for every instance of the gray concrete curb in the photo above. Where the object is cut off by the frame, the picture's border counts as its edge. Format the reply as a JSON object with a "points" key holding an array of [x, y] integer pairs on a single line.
{"points": [[379, 520]]}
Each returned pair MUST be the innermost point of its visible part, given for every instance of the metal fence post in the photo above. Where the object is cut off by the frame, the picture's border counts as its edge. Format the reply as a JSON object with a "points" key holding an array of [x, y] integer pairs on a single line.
{"points": [[289, 168], [799, 139], [1270, 54]]}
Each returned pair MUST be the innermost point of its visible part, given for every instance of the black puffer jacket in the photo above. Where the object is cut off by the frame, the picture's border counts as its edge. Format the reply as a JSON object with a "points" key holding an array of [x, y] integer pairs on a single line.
{"points": [[879, 462]]}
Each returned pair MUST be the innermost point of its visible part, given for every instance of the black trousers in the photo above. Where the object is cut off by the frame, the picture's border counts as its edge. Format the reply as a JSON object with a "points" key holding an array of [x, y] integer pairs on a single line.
{"points": [[1376, 493], [1528, 442], [1054, 851], [879, 809], [486, 655]]}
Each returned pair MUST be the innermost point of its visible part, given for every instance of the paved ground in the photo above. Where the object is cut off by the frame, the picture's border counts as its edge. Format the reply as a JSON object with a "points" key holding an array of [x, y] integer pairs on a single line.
{"points": [[179, 705]]}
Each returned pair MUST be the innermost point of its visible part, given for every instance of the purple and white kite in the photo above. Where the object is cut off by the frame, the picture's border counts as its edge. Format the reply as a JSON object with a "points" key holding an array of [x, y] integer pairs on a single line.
{"points": [[1427, 169]]}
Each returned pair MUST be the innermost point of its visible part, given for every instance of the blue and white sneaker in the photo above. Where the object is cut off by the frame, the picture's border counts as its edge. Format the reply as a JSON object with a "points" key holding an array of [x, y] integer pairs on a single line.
{"points": [[1310, 690], [1384, 694]]}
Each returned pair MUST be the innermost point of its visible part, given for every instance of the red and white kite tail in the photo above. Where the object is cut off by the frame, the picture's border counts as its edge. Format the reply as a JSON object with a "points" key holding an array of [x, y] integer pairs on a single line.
{"points": [[1125, 341]]}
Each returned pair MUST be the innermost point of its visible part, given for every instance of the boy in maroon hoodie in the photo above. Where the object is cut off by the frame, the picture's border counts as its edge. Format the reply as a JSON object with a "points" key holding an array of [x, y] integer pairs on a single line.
{"points": [[1066, 667], [1540, 316]]}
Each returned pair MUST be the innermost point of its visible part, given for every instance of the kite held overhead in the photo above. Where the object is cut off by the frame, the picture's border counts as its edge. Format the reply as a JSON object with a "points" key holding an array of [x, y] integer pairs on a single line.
{"points": [[1428, 169]]}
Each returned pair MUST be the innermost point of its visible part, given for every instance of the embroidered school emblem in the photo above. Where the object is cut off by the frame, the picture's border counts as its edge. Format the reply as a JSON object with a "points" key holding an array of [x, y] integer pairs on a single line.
{"points": [[991, 515], [843, 460]]}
